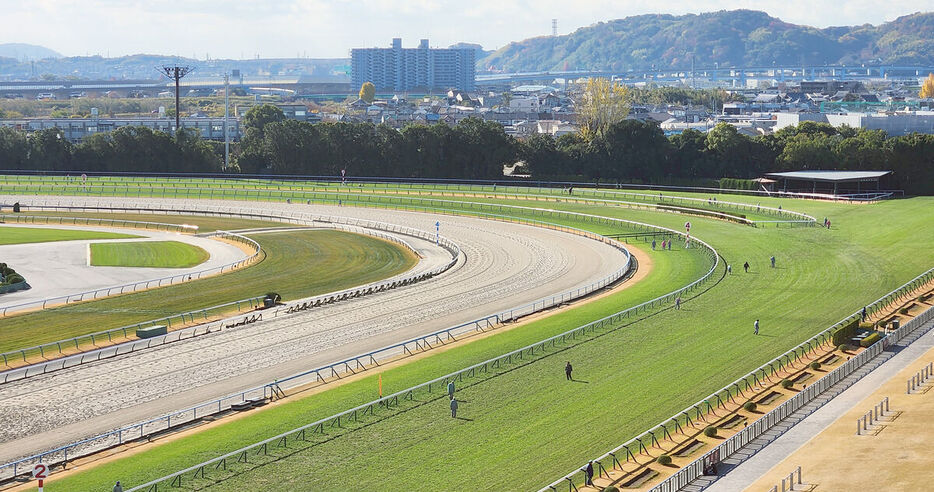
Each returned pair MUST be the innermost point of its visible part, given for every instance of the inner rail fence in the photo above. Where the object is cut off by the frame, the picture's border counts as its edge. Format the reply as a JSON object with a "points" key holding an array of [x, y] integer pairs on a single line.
{"points": [[61, 347], [135, 286], [283, 192], [361, 362], [734, 390]]}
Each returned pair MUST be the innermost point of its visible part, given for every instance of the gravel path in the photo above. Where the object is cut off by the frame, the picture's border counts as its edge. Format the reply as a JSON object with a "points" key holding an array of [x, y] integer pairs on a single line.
{"points": [[503, 265], [64, 268]]}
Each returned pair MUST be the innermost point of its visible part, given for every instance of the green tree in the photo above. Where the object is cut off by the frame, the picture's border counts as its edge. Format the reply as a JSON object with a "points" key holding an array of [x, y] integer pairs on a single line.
{"points": [[368, 92]]}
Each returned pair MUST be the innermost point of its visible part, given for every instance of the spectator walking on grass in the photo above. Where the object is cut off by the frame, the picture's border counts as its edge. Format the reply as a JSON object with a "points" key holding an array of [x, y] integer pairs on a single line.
{"points": [[453, 408], [746, 267], [772, 259], [678, 302], [669, 244], [567, 371], [729, 269], [118, 487], [653, 245], [451, 389], [588, 474], [756, 324]]}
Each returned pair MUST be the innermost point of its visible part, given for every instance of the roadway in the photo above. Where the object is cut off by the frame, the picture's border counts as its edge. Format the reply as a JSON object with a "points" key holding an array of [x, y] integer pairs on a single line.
{"points": [[503, 265]]}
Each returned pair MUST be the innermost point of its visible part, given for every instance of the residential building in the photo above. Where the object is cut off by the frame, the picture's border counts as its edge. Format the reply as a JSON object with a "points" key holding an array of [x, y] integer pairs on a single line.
{"points": [[405, 69]]}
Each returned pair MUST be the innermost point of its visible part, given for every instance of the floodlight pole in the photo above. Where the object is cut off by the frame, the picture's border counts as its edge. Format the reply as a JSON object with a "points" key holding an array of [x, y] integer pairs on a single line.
{"points": [[176, 73]]}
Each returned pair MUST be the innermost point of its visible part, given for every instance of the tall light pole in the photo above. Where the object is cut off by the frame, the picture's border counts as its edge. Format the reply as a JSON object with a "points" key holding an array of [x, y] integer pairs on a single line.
{"points": [[176, 73], [226, 116]]}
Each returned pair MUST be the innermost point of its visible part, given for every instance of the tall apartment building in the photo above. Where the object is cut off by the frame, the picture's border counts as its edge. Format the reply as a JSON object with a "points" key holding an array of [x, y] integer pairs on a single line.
{"points": [[406, 69]]}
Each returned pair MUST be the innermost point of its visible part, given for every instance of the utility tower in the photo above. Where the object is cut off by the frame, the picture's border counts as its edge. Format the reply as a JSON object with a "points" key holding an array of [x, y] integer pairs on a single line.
{"points": [[176, 73], [554, 27]]}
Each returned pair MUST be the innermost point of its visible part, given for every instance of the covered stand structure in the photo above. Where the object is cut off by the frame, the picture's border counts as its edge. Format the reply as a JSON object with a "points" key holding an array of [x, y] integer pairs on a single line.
{"points": [[830, 181]]}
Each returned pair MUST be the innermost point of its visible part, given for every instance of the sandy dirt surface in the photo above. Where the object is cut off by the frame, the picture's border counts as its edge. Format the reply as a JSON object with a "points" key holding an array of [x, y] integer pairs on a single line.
{"points": [[504, 265], [61, 268]]}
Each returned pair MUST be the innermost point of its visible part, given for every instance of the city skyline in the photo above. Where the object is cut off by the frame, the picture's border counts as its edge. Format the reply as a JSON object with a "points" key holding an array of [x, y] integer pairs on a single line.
{"points": [[330, 29]]}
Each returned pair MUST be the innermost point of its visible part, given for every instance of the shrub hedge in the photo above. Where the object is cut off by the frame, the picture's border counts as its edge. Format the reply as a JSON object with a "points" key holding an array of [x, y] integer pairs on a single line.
{"points": [[871, 339], [815, 365], [750, 406], [663, 459], [710, 431], [786, 383], [845, 333]]}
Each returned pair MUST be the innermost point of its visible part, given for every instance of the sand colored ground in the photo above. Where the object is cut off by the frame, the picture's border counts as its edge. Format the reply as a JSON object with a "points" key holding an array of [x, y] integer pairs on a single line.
{"points": [[895, 455]]}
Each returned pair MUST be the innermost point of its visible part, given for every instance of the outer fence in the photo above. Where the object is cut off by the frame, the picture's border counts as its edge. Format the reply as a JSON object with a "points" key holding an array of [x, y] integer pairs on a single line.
{"points": [[284, 192], [53, 177], [763, 373], [146, 284], [62, 454], [371, 359]]}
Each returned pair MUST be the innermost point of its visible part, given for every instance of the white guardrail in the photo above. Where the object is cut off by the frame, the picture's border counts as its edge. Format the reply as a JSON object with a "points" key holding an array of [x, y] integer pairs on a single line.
{"points": [[135, 286], [690, 472], [360, 362], [301, 304]]}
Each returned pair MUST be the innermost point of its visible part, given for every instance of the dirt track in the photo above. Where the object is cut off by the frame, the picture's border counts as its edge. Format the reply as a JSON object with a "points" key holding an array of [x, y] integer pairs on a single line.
{"points": [[504, 265]]}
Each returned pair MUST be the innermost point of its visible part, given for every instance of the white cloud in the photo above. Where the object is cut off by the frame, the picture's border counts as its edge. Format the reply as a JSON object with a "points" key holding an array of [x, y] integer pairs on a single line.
{"points": [[330, 28]]}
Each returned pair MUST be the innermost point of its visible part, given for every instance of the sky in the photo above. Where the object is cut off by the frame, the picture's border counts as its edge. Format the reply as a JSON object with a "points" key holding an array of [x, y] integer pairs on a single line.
{"points": [[330, 28]]}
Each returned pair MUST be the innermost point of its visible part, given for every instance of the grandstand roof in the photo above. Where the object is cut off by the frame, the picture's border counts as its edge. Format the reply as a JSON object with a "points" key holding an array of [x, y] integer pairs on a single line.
{"points": [[830, 176]]}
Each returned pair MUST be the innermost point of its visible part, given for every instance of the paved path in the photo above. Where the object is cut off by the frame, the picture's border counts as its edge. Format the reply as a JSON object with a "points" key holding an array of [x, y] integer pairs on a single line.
{"points": [[61, 268], [504, 265], [762, 454]]}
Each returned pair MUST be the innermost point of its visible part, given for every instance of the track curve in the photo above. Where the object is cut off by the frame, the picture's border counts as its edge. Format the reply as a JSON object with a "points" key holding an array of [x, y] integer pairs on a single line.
{"points": [[503, 265]]}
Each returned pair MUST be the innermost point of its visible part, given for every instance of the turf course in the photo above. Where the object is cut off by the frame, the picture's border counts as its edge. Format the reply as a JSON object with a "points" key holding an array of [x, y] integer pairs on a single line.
{"points": [[297, 264], [152, 254], [528, 425], [26, 235]]}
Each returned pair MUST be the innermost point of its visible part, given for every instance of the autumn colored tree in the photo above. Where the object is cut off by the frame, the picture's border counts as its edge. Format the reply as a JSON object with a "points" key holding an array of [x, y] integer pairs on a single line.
{"points": [[927, 88], [601, 104], [368, 92]]}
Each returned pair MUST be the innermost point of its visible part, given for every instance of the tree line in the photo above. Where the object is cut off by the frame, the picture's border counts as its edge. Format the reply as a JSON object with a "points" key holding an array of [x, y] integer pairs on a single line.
{"points": [[626, 151]]}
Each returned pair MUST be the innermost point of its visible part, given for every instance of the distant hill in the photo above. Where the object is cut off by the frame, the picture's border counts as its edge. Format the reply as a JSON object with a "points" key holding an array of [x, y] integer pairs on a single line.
{"points": [[22, 51], [734, 38]]}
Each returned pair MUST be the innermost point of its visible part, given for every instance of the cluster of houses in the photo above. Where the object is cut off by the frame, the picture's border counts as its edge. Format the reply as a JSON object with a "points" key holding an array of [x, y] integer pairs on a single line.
{"points": [[545, 109]]}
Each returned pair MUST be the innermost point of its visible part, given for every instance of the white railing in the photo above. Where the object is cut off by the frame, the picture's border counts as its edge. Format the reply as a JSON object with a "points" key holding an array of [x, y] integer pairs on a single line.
{"points": [[144, 284]]}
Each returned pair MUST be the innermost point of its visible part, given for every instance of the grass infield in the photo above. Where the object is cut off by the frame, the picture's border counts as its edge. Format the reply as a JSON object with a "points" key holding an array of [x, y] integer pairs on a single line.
{"points": [[153, 254], [26, 235]]}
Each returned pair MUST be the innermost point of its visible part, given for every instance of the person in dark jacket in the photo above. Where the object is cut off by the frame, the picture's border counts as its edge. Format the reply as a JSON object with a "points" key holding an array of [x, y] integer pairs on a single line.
{"points": [[454, 408], [588, 472], [567, 371]]}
